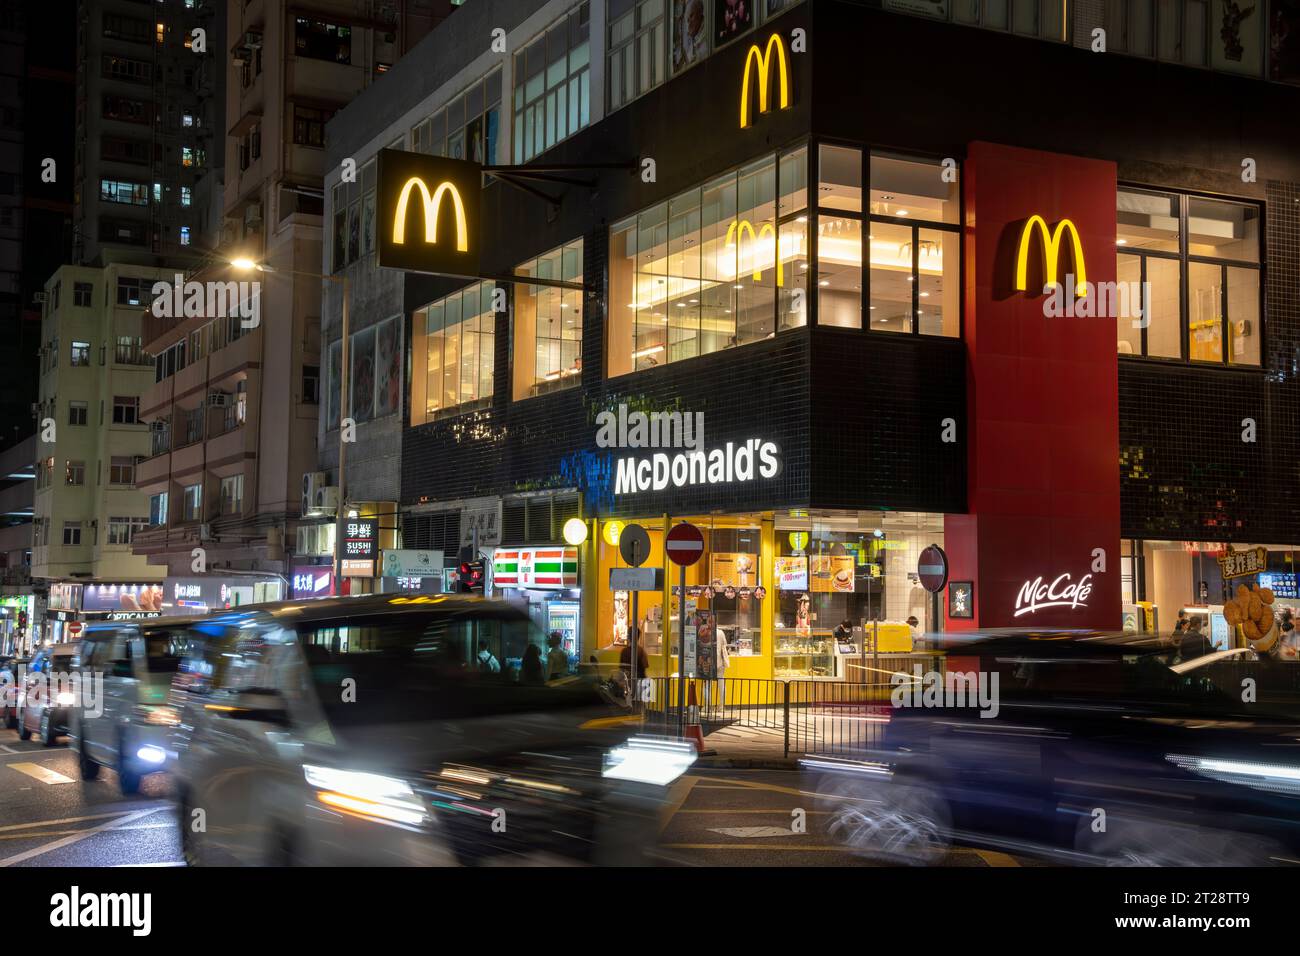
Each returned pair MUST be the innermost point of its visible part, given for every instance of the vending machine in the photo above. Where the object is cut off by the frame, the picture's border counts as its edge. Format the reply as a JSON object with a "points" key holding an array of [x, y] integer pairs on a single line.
{"points": [[565, 617]]}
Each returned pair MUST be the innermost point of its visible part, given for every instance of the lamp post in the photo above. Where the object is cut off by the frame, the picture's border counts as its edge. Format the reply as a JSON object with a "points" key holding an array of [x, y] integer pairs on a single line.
{"points": [[246, 265]]}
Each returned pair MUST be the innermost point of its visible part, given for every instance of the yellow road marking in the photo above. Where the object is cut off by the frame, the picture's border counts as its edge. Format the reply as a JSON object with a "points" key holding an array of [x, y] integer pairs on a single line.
{"points": [[43, 774], [994, 858]]}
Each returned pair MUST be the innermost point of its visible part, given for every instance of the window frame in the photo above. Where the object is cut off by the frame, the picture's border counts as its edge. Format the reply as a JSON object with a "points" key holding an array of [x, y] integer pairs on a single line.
{"points": [[778, 154], [1185, 259], [865, 216]]}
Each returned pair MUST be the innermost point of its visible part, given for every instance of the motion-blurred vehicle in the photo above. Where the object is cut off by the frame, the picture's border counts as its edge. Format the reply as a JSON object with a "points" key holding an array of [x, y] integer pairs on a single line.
{"points": [[131, 733], [46, 701], [375, 730], [1096, 751], [11, 669]]}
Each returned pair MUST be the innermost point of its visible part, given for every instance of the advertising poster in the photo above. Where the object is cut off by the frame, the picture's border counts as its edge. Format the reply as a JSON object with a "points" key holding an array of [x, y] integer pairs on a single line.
{"points": [[706, 644], [1236, 36], [731, 18], [354, 232], [388, 376], [791, 572], [362, 390], [832, 573], [733, 570], [690, 33], [122, 597], [1284, 41]]}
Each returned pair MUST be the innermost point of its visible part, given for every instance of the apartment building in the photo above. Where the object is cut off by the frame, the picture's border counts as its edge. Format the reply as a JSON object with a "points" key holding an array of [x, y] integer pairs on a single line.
{"points": [[91, 436], [234, 404], [146, 125]]}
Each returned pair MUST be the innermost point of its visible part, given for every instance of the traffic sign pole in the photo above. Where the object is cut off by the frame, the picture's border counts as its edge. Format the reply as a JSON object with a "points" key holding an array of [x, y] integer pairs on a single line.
{"points": [[684, 544]]}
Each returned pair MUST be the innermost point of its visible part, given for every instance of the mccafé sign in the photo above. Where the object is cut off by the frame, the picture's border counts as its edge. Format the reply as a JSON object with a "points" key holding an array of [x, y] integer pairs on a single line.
{"points": [[761, 59], [428, 213], [1050, 241], [1036, 595]]}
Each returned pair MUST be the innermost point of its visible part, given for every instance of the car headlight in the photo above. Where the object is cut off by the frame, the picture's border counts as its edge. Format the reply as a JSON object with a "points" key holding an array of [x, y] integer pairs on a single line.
{"points": [[1278, 778], [66, 698], [659, 760], [369, 795]]}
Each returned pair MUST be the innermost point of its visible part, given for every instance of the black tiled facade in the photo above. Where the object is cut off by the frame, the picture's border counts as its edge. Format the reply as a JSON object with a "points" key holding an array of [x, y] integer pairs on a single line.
{"points": [[859, 416]]}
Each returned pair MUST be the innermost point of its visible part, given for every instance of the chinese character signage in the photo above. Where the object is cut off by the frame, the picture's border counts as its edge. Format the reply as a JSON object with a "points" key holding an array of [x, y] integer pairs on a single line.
{"points": [[360, 539], [1237, 564]]}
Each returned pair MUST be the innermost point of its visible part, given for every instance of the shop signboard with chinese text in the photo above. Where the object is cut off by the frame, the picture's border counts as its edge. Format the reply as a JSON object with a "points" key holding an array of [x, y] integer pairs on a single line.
{"points": [[1238, 564]]}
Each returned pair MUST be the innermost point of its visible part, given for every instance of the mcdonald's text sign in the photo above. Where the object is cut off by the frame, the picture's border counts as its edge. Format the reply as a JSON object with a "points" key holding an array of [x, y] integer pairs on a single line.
{"points": [[428, 215]]}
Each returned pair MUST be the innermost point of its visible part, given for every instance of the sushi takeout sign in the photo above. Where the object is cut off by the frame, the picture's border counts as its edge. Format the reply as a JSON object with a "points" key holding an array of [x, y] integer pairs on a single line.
{"points": [[1239, 564]]}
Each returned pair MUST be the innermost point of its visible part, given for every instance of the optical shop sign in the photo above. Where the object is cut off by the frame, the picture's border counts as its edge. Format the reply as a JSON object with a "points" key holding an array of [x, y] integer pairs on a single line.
{"points": [[686, 461]]}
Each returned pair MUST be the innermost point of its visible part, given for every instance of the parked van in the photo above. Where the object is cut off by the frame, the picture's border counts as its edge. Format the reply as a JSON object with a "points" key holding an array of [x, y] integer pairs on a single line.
{"points": [[137, 660]]}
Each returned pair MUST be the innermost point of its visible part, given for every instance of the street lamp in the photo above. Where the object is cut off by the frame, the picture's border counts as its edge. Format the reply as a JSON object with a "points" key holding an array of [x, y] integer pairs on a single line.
{"points": [[244, 264]]}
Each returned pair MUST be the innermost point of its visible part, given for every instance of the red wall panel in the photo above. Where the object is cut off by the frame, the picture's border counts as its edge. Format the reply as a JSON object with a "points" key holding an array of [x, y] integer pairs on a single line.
{"points": [[1043, 401]]}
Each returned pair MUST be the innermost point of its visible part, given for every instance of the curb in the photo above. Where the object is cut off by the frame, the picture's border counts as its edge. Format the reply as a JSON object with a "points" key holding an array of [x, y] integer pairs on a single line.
{"points": [[748, 763]]}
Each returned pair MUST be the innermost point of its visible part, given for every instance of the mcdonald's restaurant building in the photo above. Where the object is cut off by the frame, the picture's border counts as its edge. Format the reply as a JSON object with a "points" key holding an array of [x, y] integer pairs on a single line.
{"points": [[821, 260]]}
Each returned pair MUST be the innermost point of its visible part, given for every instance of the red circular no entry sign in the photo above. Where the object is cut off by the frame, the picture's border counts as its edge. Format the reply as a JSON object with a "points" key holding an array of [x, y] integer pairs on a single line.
{"points": [[932, 568], [685, 544]]}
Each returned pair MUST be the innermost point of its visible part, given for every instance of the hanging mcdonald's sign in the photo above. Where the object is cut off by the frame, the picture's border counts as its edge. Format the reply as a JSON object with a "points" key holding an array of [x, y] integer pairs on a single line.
{"points": [[761, 59], [737, 230], [1050, 241], [428, 213], [544, 568]]}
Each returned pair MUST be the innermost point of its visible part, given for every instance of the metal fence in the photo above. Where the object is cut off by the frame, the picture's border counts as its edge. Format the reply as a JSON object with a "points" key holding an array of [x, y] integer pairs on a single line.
{"points": [[786, 715]]}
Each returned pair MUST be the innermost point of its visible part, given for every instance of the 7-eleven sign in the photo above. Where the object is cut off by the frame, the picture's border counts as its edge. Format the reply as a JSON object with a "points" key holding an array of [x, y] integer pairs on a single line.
{"points": [[542, 568]]}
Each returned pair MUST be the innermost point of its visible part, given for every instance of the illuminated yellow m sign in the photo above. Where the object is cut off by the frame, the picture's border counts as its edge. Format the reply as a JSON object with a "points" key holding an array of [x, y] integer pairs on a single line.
{"points": [[738, 229], [1051, 242], [431, 206], [763, 61]]}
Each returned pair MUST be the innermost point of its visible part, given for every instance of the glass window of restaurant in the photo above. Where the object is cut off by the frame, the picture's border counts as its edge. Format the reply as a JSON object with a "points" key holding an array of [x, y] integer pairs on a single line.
{"points": [[1195, 266], [452, 354], [912, 234], [726, 588], [548, 324], [845, 582], [719, 266]]}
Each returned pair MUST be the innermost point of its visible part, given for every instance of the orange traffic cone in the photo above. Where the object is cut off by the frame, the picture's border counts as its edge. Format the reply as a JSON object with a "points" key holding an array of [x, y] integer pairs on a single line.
{"points": [[693, 731]]}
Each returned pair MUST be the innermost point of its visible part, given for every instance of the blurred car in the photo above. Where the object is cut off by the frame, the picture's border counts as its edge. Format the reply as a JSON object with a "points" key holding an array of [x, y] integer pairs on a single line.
{"points": [[1088, 747], [128, 729], [46, 701], [11, 670], [374, 731]]}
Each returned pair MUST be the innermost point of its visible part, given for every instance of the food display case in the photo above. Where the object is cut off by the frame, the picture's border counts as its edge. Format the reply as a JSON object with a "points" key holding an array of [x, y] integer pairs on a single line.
{"points": [[805, 655]]}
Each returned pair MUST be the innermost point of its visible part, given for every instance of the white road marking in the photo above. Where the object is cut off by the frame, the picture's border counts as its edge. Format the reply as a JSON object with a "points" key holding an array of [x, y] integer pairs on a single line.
{"points": [[64, 820], [7, 749], [68, 841], [752, 831], [120, 866], [43, 774]]}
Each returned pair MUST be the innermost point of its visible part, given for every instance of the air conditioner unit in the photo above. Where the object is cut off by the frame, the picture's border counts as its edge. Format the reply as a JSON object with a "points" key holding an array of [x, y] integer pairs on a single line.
{"points": [[205, 532], [311, 481], [253, 39], [38, 296], [326, 500], [252, 213], [218, 399]]}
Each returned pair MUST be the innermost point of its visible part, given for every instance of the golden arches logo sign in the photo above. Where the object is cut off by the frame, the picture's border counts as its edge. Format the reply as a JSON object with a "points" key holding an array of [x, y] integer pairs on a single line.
{"points": [[761, 60], [431, 207], [1050, 241], [428, 213], [737, 230]]}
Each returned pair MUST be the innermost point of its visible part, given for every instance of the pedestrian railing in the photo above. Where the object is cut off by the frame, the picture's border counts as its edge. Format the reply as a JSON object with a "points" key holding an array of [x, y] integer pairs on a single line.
{"points": [[799, 716]]}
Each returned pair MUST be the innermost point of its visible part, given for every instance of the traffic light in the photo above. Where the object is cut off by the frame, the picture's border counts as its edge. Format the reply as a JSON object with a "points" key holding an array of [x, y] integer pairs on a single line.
{"points": [[471, 577]]}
